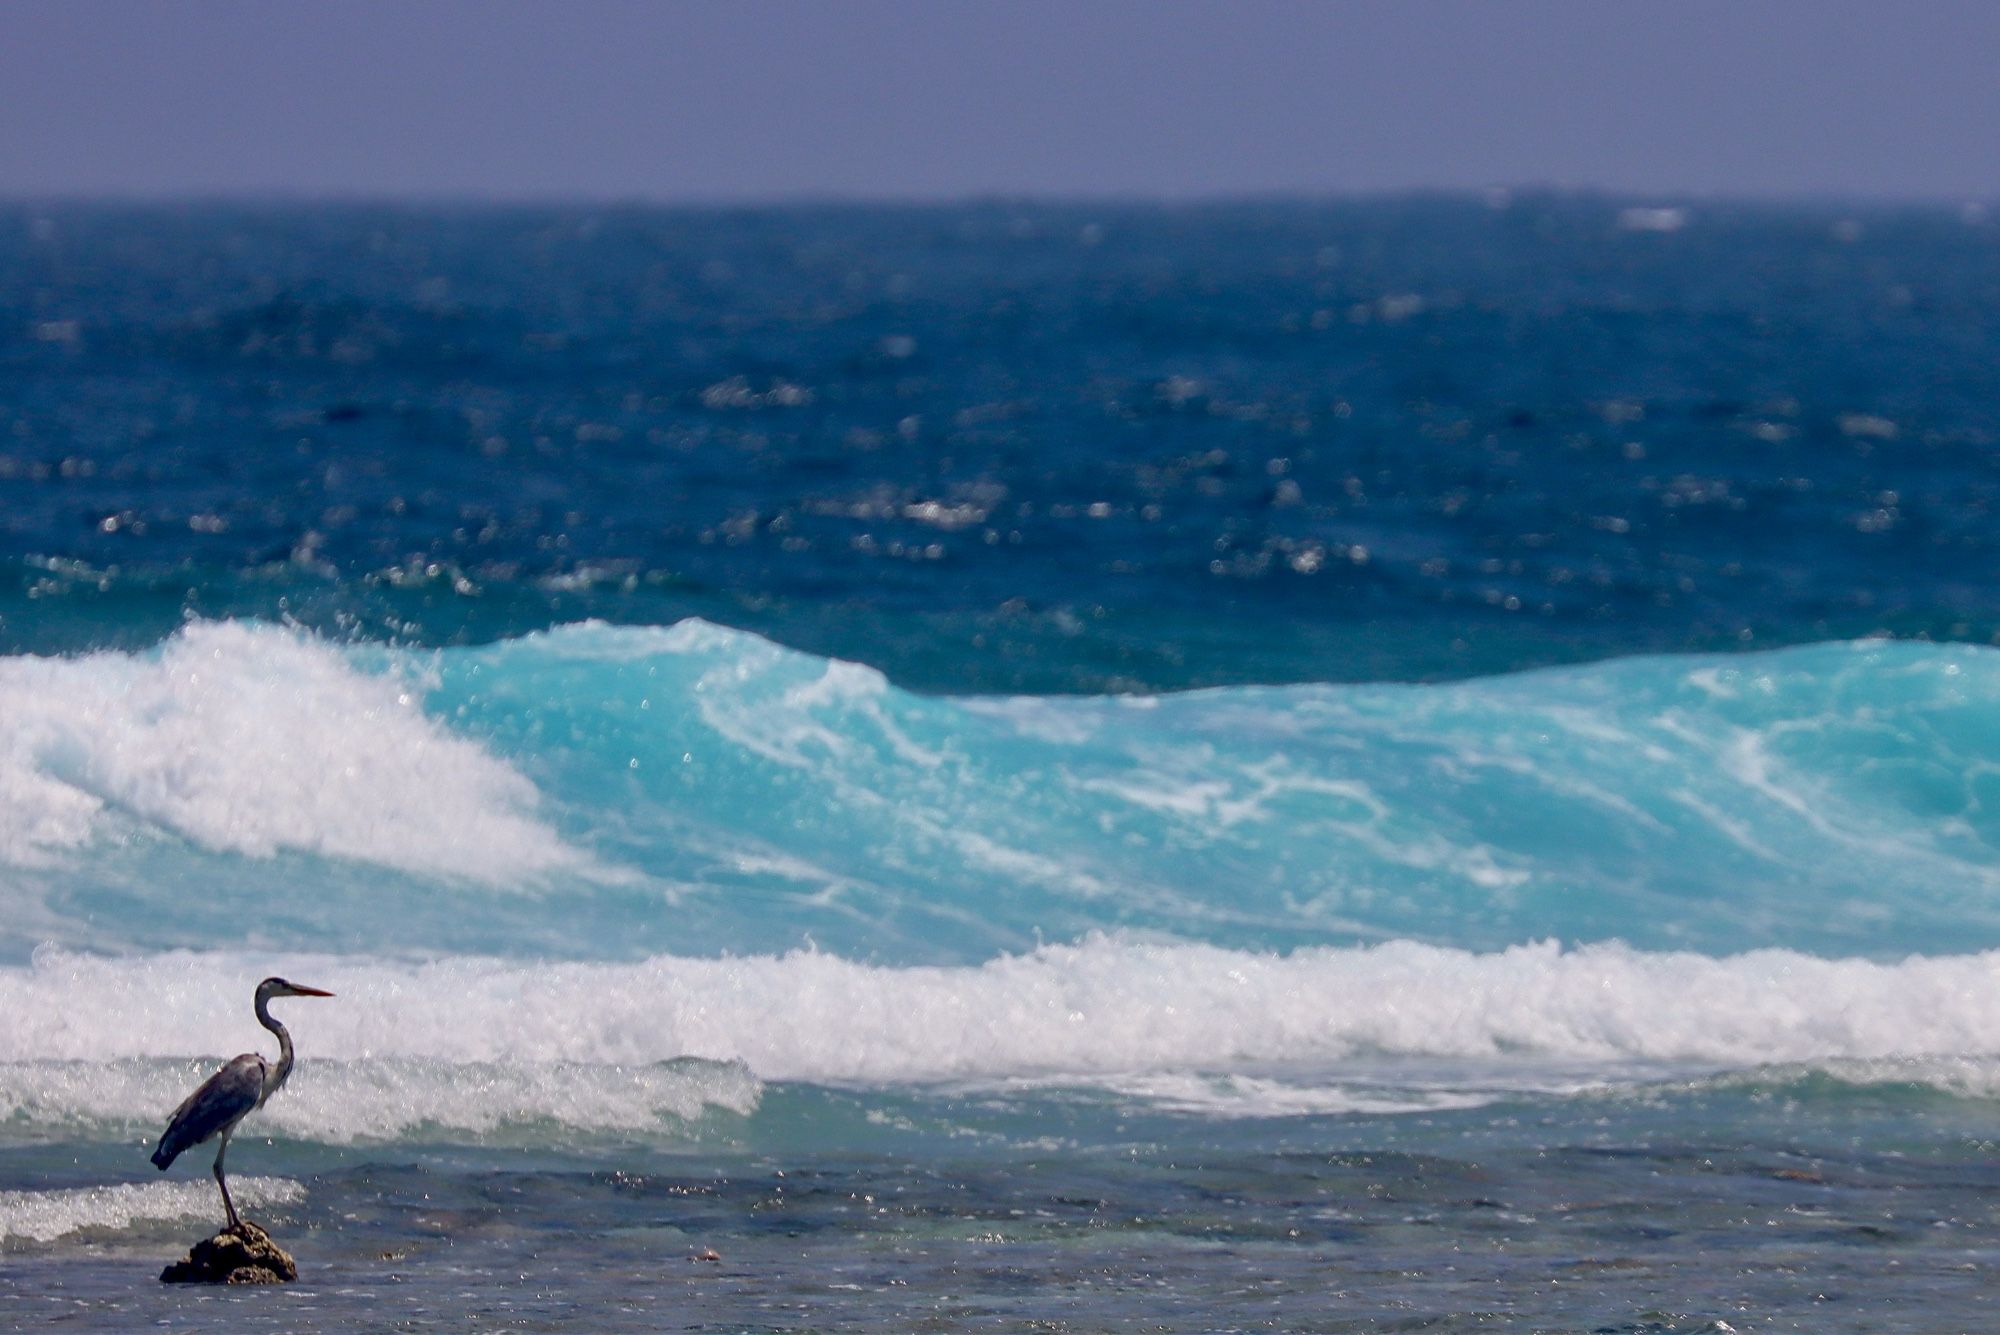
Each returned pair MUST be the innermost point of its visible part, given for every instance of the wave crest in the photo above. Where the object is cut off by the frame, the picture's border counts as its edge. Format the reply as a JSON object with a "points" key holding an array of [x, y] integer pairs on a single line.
{"points": [[250, 740], [697, 790], [44, 1216]]}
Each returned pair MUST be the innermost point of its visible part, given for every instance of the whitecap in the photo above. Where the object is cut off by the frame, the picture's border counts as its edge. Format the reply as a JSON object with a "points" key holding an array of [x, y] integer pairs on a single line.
{"points": [[44, 1216], [253, 740]]}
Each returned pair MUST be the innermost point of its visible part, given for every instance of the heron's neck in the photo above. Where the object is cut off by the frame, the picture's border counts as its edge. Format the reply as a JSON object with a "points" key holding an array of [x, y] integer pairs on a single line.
{"points": [[283, 1070]]}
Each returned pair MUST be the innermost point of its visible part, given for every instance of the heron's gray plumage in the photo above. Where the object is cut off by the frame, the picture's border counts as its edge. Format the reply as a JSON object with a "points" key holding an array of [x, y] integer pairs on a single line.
{"points": [[232, 1093], [222, 1101]]}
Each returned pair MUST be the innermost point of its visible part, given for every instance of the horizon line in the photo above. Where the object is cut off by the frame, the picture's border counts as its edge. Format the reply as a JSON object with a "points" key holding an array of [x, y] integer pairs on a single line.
{"points": [[1495, 196]]}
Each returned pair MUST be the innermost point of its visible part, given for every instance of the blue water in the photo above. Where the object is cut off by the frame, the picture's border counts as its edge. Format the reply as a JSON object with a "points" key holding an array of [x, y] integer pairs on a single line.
{"points": [[1008, 763], [1004, 448]]}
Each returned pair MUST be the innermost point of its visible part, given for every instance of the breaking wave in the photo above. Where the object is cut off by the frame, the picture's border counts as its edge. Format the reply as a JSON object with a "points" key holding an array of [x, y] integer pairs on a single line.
{"points": [[695, 790], [470, 1047]]}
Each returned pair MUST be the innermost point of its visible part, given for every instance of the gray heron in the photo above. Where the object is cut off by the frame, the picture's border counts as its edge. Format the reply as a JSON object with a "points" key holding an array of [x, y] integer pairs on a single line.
{"points": [[229, 1095]]}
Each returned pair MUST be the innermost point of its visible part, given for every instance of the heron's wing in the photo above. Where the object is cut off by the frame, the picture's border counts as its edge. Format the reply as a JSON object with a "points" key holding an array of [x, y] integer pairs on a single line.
{"points": [[220, 1102]]}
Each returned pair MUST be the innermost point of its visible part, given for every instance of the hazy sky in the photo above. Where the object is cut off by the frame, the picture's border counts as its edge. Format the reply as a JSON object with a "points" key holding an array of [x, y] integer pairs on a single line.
{"points": [[901, 98]]}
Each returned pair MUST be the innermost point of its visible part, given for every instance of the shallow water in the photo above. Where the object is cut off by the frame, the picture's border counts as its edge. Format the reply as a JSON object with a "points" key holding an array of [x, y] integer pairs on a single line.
{"points": [[1875, 1215]]}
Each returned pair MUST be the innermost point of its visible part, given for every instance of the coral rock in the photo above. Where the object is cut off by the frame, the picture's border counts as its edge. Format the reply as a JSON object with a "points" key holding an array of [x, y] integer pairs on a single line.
{"points": [[244, 1254]]}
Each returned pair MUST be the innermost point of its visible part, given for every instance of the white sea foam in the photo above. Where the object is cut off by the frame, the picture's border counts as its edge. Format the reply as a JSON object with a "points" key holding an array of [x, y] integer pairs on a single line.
{"points": [[252, 740], [44, 1216], [473, 1043], [1263, 1096], [380, 1099]]}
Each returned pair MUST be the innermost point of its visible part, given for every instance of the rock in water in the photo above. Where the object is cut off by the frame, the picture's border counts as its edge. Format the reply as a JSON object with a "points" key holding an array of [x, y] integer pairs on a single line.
{"points": [[244, 1254]]}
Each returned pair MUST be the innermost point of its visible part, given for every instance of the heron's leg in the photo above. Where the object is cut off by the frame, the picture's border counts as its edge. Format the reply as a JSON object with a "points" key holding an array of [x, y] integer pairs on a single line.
{"points": [[227, 1204]]}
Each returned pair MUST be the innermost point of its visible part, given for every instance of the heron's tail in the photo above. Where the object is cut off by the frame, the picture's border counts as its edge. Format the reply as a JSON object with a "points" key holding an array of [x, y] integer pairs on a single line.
{"points": [[165, 1154]]}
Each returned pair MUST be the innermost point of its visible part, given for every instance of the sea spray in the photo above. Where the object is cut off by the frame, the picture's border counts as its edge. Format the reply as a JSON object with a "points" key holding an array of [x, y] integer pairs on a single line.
{"points": [[246, 740]]}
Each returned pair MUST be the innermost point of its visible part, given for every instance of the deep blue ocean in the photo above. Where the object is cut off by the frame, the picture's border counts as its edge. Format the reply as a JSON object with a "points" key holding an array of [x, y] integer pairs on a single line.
{"points": [[1428, 763]]}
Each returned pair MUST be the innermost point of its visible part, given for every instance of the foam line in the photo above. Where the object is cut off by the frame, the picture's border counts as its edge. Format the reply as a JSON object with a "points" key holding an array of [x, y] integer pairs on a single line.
{"points": [[1099, 1007], [44, 1216], [343, 1101]]}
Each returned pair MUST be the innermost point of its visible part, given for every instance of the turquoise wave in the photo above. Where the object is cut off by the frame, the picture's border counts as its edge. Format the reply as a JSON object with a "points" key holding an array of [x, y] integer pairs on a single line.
{"points": [[614, 792]]}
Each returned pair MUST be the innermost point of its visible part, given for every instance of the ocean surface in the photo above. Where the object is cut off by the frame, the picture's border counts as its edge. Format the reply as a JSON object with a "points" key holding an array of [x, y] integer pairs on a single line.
{"points": [[1418, 764]]}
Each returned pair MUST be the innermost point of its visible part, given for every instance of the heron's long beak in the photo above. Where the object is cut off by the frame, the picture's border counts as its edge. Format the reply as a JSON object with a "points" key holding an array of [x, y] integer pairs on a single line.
{"points": [[298, 991]]}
